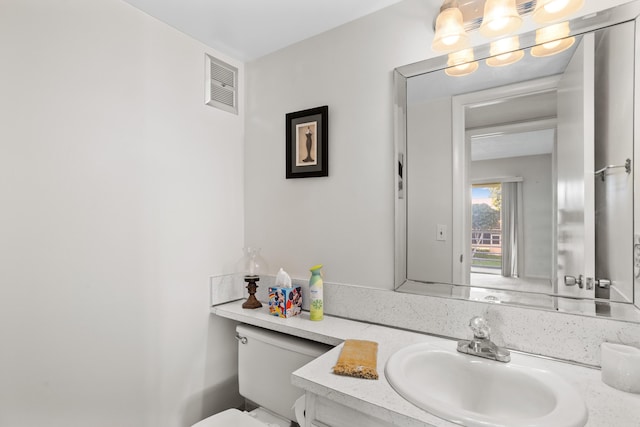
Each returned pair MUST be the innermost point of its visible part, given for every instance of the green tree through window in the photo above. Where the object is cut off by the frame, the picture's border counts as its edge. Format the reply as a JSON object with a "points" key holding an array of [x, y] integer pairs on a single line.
{"points": [[486, 233]]}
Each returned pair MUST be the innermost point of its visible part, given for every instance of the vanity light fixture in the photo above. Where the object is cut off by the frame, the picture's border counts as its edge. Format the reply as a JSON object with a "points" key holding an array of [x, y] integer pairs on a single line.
{"points": [[500, 18], [505, 52], [548, 11], [461, 63], [552, 39], [450, 34], [494, 18]]}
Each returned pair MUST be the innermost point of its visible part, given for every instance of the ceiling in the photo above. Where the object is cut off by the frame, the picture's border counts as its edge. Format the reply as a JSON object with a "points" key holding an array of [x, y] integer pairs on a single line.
{"points": [[506, 146], [248, 29]]}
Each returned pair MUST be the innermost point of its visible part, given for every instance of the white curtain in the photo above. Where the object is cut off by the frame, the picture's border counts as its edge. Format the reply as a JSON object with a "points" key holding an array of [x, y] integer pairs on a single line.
{"points": [[511, 228]]}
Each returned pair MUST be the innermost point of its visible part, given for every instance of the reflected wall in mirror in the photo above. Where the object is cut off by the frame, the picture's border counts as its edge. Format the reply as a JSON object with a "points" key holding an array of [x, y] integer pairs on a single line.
{"points": [[503, 180]]}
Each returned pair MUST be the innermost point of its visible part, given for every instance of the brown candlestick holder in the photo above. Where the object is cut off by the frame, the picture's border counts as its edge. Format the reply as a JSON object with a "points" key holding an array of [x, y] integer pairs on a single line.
{"points": [[252, 301]]}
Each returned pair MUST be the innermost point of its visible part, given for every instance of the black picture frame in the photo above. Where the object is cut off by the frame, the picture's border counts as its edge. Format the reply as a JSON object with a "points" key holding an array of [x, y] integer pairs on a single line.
{"points": [[307, 144]]}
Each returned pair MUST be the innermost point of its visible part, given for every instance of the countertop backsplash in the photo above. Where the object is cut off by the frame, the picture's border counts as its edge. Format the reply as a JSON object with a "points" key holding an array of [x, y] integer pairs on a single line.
{"points": [[565, 336]]}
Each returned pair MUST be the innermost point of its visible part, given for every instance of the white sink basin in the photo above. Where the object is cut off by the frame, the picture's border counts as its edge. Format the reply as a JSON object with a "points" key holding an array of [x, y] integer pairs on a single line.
{"points": [[472, 391]]}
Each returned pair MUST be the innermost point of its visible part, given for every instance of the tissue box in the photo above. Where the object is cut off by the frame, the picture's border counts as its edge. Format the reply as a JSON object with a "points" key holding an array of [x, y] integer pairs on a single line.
{"points": [[285, 302]]}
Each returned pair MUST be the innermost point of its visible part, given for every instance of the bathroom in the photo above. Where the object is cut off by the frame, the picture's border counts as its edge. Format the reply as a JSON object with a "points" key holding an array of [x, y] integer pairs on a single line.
{"points": [[122, 194]]}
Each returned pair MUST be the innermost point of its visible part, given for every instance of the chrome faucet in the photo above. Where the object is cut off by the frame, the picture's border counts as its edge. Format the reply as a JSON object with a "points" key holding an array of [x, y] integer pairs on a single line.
{"points": [[481, 345]]}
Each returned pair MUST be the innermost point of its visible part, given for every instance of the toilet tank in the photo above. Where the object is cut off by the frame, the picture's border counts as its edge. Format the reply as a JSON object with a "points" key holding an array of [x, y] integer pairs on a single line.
{"points": [[265, 363]]}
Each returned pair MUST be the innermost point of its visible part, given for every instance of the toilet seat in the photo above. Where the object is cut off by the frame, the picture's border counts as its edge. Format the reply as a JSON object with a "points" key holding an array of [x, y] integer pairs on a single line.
{"points": [[230, 418]]}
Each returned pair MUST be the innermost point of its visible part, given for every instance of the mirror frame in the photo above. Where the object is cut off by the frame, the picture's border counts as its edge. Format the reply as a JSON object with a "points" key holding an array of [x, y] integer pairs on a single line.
{"points": [[627, 12]]}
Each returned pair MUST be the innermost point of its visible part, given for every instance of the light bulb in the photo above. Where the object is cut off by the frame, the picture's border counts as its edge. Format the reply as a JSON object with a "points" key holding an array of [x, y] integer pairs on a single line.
{"points": [[450, 34], [552, 40], [555, 6], [461, 63], [547, 11], [462, 70], [504, 52], [450, 40], [498, 24], [551, 45], [500, 18]]}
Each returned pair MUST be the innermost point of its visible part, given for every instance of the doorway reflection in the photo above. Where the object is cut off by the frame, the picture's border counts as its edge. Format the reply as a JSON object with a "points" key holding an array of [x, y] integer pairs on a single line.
{"points": [[511, 208]]}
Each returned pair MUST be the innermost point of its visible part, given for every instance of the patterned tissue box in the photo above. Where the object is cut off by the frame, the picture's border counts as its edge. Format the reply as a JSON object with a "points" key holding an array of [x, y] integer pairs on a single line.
{"points": [[285, 302]]}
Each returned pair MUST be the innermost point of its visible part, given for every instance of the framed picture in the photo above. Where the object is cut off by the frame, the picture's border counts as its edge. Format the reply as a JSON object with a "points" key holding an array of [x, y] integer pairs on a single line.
{"points": [[307, 150]]}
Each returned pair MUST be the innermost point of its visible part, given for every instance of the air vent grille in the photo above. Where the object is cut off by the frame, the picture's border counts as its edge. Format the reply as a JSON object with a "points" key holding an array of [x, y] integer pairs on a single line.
{"points": [[223, 75], [221, 85], [223, 95]]}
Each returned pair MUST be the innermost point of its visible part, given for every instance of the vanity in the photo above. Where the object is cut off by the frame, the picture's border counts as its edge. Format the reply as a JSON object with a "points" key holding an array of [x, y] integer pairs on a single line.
{"points": [[337, 401]]}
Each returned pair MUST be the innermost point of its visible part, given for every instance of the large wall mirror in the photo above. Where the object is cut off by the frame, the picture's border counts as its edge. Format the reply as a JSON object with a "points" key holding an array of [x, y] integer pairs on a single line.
{"points": [[515, 182]]}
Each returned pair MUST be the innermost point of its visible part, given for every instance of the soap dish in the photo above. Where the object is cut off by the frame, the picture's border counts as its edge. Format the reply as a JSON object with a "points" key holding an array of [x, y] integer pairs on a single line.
{"points": [[620, 366]]}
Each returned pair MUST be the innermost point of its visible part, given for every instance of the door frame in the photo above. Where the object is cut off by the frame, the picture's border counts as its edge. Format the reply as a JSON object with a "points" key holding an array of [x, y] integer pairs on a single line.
{"points": [[461, 158]]}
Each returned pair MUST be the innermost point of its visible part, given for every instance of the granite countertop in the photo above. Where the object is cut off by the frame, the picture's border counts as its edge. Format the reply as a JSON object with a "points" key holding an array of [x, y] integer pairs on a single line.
{"points": [[607, 406]]}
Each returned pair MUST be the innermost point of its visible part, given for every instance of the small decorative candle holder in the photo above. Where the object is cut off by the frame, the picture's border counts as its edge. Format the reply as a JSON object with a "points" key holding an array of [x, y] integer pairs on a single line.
{"points": [[251, 266], [252, 301]]}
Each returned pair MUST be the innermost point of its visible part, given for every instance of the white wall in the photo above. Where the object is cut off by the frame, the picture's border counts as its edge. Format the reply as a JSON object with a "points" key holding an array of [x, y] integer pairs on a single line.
{"points": [[121, 193], [429, 191], [345, 220]]}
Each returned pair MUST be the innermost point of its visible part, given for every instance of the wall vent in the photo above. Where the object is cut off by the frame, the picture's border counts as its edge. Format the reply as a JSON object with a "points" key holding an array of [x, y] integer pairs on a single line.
{"points": [[221, 85]]}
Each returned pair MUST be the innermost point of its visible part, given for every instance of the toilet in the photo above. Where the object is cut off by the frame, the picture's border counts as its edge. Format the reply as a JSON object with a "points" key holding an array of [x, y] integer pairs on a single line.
{"points": [[266, 360]]}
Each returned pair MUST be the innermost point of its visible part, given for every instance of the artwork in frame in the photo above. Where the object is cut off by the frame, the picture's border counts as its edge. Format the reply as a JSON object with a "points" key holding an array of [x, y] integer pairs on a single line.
{"points": [[307, 149]]}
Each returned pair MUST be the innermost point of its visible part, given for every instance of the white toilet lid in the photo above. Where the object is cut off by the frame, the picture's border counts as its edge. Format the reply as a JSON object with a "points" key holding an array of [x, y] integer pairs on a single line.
{"points": [[230, 418]]}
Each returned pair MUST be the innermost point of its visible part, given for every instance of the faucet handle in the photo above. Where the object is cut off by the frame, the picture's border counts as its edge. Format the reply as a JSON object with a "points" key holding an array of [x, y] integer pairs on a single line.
{"points": [[480, 327]]}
